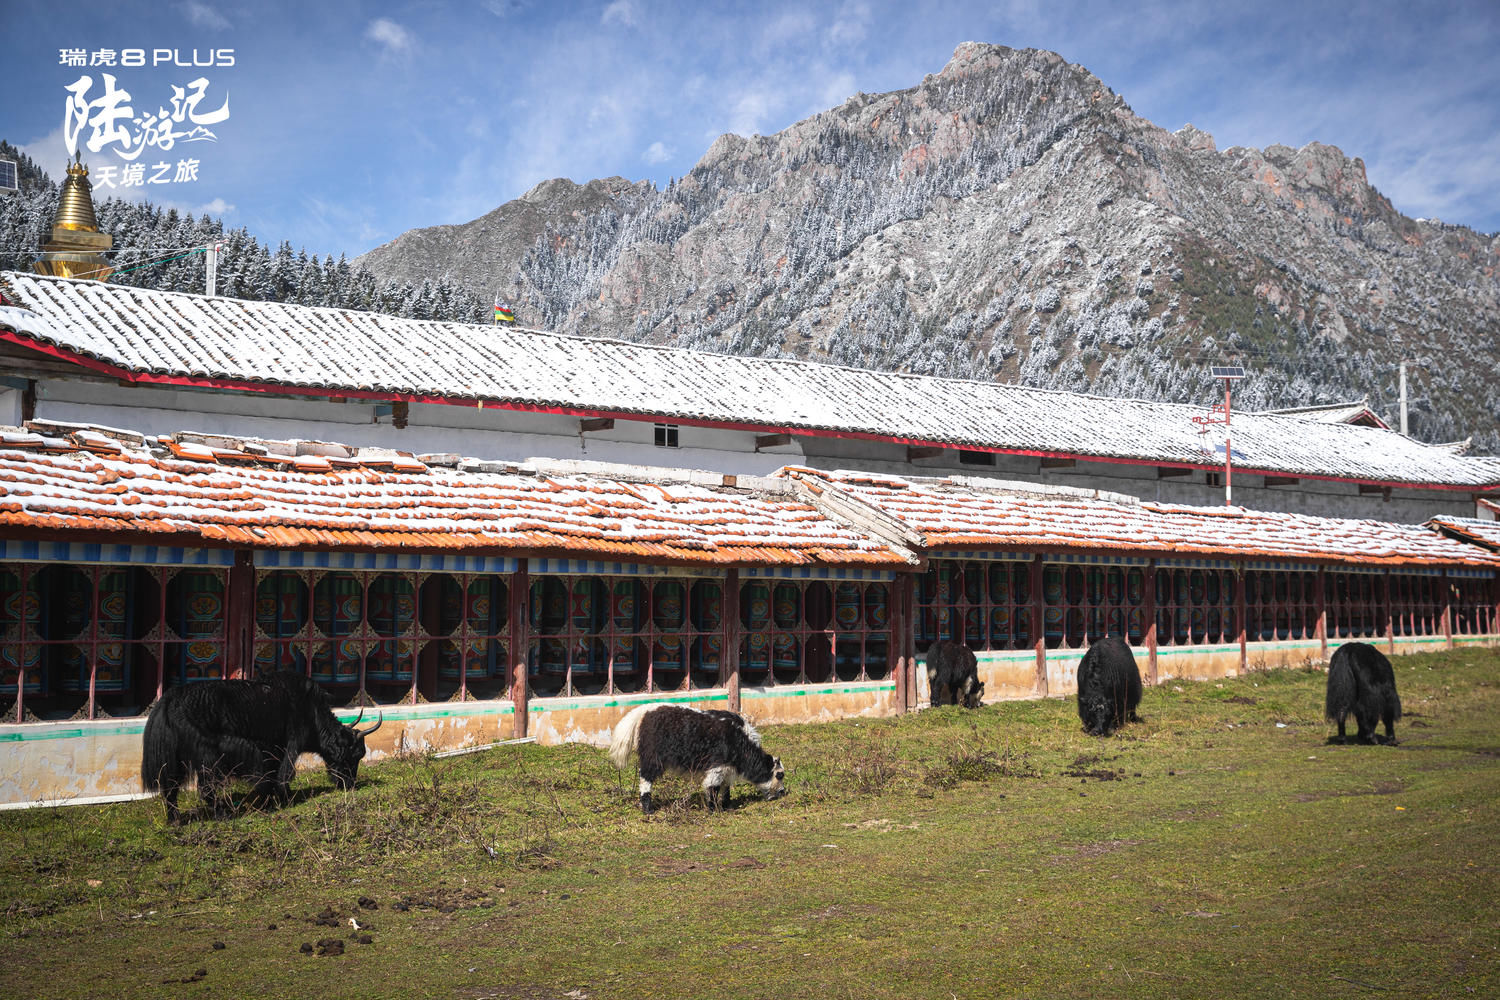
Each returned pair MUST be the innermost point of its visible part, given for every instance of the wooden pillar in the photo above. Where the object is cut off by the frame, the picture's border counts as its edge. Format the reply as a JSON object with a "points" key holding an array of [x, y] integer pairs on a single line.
{"points": [[1240, 609], [1039, 624], [1390, 622], [520, 646], [1150, 612], [239, 618], [729, 658], [1322, 614], [904, 641], [1447, 611]]}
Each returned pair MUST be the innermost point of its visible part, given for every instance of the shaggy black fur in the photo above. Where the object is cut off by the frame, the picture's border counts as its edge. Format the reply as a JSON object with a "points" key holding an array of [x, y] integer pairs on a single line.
{"points": [[953, 675], [1361, 681], [244, 729], [715, 743], [1109, 687]]}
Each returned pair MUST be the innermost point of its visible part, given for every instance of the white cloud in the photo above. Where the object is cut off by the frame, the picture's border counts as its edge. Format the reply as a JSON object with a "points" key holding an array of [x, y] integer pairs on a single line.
{"points": [[621, 12], [789, 28], [204, 16], [396, 39], [749, 111], [849, 23], [658, 153], [217, 208]]}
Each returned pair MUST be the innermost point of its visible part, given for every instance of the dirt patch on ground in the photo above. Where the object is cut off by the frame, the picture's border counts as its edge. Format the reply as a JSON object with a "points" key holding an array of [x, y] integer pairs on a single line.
{"points": [[1379, 788], [1088, 852], [519, 993], [667, 867]]}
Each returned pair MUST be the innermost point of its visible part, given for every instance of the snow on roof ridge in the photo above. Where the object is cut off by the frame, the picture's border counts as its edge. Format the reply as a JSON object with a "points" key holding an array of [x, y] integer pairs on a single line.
{"points": [[637, 345]]}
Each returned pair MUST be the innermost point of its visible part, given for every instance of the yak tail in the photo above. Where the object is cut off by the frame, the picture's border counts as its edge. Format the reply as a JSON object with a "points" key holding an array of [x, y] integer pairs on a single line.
{"points": [[158, 751], [1342, 690], [622, 743]]}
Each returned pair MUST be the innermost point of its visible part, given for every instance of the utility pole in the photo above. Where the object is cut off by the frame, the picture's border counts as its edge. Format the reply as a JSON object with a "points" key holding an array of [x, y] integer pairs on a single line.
{"points": [[1403, 397], [1220, 415], [211, 269]]}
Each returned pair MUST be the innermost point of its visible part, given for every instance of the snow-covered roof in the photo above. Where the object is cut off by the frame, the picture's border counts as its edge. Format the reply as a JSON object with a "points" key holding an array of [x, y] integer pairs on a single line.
{"points": [[189, 489], [966, 513], [1355, 412], [175, 338], [200, 494]]}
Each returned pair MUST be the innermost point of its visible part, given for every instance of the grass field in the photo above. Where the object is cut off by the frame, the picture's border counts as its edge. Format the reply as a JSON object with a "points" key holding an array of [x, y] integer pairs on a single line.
{"points": [[1219, 848]]}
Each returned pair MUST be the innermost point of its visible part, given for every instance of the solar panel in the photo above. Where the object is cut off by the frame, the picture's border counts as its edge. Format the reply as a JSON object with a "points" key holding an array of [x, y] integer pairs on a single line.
{"points": [[1228, 371], [8, 176]]}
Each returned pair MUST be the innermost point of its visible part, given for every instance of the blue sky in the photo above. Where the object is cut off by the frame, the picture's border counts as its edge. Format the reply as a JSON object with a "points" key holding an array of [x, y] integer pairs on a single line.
{"points": [[349, 123]]}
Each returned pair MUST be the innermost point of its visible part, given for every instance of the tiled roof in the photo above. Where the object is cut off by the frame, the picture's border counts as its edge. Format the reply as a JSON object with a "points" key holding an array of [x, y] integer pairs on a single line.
{"points": [[1470, 529], [202, 495], [962, 513], [146, 335]]}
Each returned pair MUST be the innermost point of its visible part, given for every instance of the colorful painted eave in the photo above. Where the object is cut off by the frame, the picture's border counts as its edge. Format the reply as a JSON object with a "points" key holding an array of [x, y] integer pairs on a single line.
{"points": [[946, 514], [169, 338]]}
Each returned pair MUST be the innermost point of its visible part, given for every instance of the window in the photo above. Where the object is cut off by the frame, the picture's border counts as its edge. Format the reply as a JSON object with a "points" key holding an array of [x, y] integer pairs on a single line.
{"points": [[596, 635], [1473, 609], [392, 635], [1085, 603], [666, 435], [983, 604], [1354, 604], [1280, 605], [1213, 478], [797, 632], [1195, 606], [976, 457], [80, 641]]}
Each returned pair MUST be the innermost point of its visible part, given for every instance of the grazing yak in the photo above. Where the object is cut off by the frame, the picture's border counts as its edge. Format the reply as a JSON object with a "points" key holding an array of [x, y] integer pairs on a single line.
{"points": [[953, 670], [719, 745], [1109, 687], [245, 729], [1361, 681]]}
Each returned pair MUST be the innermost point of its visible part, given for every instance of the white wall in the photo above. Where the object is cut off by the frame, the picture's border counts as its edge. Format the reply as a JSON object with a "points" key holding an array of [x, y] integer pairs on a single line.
{"points": [[516, 436]]}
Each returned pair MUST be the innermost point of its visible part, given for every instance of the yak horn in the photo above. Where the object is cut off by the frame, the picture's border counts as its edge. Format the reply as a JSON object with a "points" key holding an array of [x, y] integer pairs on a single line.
{"points": [[355, 721], [367, 732]]}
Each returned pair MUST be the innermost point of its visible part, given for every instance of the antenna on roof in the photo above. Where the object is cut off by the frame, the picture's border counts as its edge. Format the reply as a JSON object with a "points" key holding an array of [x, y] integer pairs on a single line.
{"points": [[1220, 415]]}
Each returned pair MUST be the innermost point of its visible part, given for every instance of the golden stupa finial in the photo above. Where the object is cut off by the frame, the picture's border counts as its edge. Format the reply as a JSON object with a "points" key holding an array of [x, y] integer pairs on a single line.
{"points": [[74, 250], [75, 209]]}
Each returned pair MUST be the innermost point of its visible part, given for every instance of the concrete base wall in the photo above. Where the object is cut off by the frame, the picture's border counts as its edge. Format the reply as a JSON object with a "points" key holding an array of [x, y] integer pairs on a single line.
{"points": [[53, 763]]}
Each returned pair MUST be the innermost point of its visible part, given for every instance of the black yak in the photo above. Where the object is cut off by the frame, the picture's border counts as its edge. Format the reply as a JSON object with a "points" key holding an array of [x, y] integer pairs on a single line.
{"points": [[1361, 681], [1109, 687], [719, 745], [953, 669], [256, 729]]}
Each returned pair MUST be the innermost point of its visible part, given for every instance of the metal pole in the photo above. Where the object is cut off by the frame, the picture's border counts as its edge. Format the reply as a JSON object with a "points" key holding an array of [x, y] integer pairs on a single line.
{"points": [[211, 266], [1227, 492]]}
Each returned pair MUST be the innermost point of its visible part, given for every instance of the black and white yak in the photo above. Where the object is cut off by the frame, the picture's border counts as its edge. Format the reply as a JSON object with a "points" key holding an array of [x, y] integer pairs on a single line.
{"points": [[719, 745], [1109, 687], [1361, 682], [953, 675], [255, 730]]}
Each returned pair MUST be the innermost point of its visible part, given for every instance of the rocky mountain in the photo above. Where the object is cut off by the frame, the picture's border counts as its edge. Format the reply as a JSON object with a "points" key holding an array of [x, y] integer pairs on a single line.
{"points": [[1011, 218]]}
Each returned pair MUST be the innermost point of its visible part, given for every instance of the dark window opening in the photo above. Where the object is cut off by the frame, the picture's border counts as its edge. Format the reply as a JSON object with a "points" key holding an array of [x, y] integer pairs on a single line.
{"points": [[666, 435]]}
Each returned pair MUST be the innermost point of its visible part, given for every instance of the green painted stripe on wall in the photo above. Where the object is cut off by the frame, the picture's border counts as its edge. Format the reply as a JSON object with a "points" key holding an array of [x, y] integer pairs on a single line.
{"points": [[804, 692], [35, 733], [676, 698]]}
